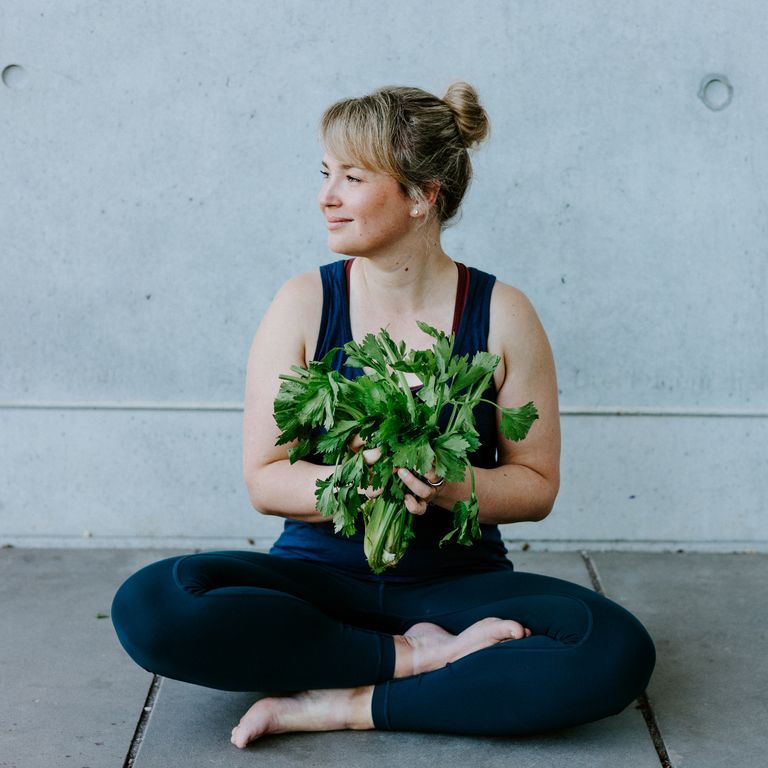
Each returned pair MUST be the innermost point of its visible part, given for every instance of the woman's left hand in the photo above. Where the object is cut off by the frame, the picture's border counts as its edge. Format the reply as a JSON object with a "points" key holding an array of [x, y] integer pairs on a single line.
{"points": [[424, 490]]}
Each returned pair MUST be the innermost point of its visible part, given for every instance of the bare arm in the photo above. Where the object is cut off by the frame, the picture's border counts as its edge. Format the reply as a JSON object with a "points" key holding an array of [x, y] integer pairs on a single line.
{"points": [[526, 482], [286, 336]]}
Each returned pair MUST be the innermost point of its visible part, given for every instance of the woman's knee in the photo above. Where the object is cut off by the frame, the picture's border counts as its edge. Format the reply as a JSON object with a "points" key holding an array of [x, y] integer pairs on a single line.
{"points": [[643, 655], [140, 611], [628, 653]]}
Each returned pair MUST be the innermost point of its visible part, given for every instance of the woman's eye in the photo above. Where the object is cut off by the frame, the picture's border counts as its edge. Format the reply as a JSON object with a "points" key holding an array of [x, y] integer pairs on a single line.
{"points": [[327, 175]]}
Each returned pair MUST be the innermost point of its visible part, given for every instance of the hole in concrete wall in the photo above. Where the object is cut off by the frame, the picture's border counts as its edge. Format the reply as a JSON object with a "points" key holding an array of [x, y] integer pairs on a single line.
{"points": [[14, 76], [716, 92]]}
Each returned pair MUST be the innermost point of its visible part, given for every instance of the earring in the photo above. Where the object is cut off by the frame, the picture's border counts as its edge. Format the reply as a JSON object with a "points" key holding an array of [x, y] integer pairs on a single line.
{"points": [[415, 212]]}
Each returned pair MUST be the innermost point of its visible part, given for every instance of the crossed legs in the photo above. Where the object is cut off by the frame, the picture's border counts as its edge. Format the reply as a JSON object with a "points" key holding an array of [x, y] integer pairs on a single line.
{"points": [[496, 653]]}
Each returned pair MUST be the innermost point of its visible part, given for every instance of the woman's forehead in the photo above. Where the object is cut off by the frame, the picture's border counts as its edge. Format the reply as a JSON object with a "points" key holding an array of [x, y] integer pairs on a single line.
{"points": [[346, 162]]}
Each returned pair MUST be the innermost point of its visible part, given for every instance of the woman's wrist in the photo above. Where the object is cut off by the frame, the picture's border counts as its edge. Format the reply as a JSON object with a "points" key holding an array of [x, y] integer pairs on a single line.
{"points": [[447, 494]]}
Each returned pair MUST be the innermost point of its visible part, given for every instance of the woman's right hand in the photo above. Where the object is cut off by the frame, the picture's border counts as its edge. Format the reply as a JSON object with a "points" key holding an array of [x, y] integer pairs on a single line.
{"points": [[370, 455], [421, 491]]}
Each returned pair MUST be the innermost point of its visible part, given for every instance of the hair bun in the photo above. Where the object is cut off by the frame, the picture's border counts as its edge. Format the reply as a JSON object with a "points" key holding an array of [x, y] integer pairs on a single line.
{"points": [[471, 118]]}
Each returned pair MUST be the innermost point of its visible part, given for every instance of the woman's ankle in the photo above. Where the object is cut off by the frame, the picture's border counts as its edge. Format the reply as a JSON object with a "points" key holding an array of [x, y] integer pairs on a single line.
{"points": [[404, 657], [360, 708]]}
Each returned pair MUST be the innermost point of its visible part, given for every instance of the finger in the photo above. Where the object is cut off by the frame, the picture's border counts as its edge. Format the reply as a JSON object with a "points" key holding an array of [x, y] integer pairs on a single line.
{"points": [[372, 493], [432, 476], [414, 505], [419, 487], [356, 442], [371, 455]]}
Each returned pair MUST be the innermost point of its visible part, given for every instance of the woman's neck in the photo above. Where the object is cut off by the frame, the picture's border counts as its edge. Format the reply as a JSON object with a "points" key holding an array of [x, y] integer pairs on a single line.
{"points": [[397, 288]]}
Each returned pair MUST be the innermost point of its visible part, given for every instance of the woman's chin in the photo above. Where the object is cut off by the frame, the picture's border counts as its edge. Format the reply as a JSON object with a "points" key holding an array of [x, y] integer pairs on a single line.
{"points": [[339, 247]]}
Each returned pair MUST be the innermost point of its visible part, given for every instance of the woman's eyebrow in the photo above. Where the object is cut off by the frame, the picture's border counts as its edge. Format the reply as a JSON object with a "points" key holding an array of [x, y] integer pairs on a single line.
{"points": [[343, 166]]}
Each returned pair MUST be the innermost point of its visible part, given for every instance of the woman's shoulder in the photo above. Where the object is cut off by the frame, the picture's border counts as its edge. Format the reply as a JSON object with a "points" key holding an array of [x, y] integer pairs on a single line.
{"points": [[509, 299], [309, 286], [504, 297], [303, 287], [514, 321], [293, 316], [510, 304]]}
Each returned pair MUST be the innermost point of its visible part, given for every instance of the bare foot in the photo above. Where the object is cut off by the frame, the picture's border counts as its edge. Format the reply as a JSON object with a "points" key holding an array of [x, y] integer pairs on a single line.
{"points": [[426, 647], [326, 710]]}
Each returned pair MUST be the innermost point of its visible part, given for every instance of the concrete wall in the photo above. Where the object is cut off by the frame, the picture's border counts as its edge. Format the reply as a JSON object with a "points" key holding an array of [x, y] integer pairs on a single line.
{"points": [[159, 167]]}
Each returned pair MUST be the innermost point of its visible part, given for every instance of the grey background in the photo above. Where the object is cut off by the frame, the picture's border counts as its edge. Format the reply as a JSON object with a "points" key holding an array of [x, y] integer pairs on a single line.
{"points": [[159, 167]]}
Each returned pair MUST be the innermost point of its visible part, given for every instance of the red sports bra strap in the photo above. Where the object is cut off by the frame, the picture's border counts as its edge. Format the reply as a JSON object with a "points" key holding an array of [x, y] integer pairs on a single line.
{"points": [[462, 291]]}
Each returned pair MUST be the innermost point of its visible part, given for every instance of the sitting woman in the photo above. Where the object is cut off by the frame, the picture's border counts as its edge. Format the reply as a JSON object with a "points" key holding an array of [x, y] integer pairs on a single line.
{"points": [[452, 639]]}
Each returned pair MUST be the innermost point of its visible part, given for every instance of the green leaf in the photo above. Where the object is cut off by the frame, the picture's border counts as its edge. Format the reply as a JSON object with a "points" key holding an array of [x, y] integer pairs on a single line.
{"points": [[299, 451], [481, 369], [348, 505], [466, 528], [415, 454], [429, 330], [516, 422], [450, 464], [326, 499], [452, 441], [352, 470], [336, 438], [485, 361]]}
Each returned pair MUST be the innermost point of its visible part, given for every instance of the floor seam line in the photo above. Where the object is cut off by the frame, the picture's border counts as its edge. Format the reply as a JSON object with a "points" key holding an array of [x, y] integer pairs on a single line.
{"points": [[643, 702], [644, 705], [141, 725]]}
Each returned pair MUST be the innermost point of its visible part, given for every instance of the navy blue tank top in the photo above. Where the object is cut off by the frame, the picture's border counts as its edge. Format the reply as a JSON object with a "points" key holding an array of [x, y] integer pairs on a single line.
{"points": [[424, 559]]}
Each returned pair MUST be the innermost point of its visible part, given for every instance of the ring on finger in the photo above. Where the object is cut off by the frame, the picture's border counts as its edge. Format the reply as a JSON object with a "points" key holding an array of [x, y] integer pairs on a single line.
{"points": [[438, 484]]}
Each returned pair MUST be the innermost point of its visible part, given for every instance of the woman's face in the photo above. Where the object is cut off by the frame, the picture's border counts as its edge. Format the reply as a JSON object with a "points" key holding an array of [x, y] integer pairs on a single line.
{"points": [[365, 211]]}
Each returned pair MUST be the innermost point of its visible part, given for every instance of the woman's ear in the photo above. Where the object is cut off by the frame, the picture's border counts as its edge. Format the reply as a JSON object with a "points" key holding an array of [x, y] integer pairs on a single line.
{"points": [[431, 191]]}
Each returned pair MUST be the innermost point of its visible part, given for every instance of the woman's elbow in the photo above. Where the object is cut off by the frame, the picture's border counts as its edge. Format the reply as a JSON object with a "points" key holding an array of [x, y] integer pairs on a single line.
{"points": [[539, 513], [546, 500], [257, 494]]}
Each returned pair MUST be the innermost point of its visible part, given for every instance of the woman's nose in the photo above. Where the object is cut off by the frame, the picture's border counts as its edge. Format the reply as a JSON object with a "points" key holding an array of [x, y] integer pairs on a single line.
{"points": [[328, 195]]}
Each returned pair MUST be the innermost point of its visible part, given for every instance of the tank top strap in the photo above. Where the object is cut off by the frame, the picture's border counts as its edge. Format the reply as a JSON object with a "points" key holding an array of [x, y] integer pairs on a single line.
{"points": [[472, 333], [334, 319], [462, 291]]}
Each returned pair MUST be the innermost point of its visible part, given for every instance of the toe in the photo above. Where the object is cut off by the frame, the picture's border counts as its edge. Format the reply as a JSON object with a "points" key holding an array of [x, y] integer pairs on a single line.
{"points": [[242, 734], [500, 630], [517, 631]]}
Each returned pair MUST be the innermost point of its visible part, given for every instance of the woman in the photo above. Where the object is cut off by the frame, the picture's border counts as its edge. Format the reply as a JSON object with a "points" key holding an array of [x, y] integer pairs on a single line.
{"points": [[452, 639]]}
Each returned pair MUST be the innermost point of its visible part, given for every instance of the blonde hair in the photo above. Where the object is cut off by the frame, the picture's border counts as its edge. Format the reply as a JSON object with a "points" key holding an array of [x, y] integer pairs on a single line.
{"points": [[413, 136]]}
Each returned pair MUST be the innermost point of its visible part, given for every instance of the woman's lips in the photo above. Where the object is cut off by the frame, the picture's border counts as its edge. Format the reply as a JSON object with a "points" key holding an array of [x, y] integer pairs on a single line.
{"points": [[336, 223]]}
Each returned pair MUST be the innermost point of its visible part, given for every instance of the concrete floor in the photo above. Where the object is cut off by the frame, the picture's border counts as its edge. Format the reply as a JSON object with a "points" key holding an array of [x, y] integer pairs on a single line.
{"points": [[69, 696]]}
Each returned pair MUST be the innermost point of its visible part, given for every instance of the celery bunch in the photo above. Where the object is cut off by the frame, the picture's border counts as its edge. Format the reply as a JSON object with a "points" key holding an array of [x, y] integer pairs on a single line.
{"points": [[321, 411]]}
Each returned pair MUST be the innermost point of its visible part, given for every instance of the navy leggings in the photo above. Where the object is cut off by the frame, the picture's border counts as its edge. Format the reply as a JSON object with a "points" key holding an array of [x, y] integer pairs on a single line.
{"points": [[246, 621]]}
